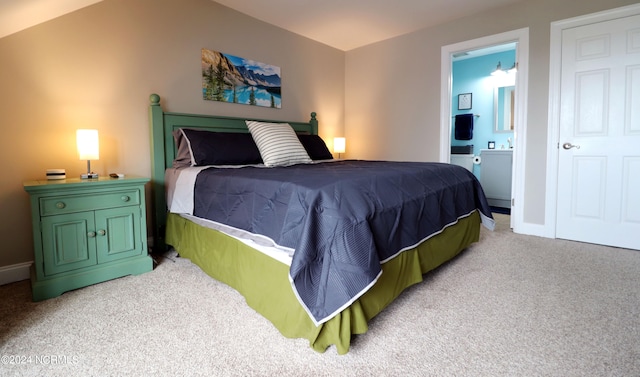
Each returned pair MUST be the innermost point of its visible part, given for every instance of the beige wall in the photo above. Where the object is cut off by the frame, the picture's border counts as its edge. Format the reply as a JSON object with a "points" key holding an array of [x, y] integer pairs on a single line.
{"points": [[96, 68], [393, 88]]}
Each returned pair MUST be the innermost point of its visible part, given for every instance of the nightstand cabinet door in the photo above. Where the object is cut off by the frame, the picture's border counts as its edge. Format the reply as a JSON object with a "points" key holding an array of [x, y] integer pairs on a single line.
{"points": [[118, 233], [67, 242]]}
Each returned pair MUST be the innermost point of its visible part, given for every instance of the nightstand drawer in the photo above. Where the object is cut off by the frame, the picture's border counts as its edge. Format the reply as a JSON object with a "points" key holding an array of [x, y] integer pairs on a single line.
{"points": [[57, 205]]}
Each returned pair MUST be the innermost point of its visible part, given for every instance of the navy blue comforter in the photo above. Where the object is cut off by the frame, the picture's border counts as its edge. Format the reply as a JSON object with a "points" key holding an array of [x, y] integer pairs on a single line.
{"points": [[342, 218]]}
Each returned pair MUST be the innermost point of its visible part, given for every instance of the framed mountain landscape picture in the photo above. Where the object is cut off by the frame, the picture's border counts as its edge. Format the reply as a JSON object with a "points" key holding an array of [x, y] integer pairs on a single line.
{"points": [[229, 78]]}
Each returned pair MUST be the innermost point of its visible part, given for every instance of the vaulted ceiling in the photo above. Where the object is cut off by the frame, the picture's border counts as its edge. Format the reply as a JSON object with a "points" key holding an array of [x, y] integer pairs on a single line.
{"points": [[343, 24]]}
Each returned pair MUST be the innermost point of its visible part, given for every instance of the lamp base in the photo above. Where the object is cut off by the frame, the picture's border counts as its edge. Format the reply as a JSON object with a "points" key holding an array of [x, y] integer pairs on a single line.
{"points": [[89, 176]]}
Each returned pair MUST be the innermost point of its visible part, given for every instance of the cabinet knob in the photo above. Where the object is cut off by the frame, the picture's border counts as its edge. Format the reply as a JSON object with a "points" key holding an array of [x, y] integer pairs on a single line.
{"points": [[60, 205], [125, 198], [102, 232], [91, 234]]}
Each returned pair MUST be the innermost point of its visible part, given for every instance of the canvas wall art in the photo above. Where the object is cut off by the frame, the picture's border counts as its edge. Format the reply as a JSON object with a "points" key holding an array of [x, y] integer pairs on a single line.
{"points": [[229, 78]]}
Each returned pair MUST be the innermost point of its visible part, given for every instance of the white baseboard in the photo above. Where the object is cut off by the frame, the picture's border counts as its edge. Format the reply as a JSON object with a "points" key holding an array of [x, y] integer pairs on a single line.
{"points": [[14, 272]]}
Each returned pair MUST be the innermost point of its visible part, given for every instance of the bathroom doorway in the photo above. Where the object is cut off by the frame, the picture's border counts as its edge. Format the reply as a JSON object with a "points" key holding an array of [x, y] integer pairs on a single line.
{"points": [[482, 130], [483, 100]]}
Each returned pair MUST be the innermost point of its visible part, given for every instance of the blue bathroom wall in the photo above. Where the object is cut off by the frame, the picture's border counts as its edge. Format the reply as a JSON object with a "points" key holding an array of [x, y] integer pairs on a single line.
{"points": [[474, 76]]}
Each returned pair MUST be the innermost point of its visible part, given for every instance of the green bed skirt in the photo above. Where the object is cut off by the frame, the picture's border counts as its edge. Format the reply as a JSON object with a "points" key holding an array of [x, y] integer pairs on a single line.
{"points": [[264, 282]]}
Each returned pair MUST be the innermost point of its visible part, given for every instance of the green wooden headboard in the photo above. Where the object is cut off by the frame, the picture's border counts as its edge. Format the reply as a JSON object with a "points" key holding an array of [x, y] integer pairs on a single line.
{"points": [[163, 150]]}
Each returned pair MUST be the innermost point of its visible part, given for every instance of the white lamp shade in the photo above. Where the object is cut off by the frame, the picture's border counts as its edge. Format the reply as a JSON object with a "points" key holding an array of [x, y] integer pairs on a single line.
{"points": [[88, 144], [339, 144]]}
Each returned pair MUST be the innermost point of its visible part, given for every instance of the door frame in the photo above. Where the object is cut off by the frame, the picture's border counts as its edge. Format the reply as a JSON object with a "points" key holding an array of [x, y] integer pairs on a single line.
{"points": [[553, 134], [521, 36]]}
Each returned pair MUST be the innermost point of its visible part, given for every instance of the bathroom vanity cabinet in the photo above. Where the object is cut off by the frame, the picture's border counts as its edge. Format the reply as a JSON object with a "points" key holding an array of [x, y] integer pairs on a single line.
{"points": [[495, 176]]}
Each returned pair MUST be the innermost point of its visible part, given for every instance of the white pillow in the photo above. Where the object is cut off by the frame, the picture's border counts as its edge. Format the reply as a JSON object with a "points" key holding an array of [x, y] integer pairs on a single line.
{"points": [[278, 144]]}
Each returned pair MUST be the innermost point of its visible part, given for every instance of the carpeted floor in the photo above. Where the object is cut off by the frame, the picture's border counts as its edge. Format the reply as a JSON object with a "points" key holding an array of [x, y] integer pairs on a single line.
{"points": [[510, 305]]}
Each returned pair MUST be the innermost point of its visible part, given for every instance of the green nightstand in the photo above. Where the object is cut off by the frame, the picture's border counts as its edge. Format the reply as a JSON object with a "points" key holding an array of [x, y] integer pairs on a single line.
{"points": [[86, 231]]}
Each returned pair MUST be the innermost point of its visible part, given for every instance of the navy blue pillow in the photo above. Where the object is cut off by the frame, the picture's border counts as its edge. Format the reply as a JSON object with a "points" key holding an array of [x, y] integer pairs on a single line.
{"points": [[215, 148], [315, 147]]}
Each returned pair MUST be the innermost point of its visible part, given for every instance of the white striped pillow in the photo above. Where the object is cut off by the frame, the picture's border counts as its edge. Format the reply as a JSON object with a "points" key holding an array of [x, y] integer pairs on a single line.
{"points": [[278, 144]]}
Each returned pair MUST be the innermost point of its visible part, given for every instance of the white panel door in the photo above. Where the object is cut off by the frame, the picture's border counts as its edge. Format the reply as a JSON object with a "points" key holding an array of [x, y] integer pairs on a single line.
{"points": [[599, 158]]}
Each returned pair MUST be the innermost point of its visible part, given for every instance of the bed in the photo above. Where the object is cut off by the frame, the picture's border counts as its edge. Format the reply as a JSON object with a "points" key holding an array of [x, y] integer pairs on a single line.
{"points": [[311, 246]]}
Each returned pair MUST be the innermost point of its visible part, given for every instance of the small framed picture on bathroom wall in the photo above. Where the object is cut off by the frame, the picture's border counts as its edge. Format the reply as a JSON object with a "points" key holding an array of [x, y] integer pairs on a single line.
{"points": [[492, 145], [464, 101]]}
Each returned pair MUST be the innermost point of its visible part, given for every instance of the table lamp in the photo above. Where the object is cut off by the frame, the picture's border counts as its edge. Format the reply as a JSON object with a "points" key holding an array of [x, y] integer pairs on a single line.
{"points": [[339, 144], [88, 149]]}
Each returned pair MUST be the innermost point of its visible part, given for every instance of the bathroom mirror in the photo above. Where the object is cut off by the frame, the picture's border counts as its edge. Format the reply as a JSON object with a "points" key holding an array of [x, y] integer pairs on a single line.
{"points": [[503, 108]]}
